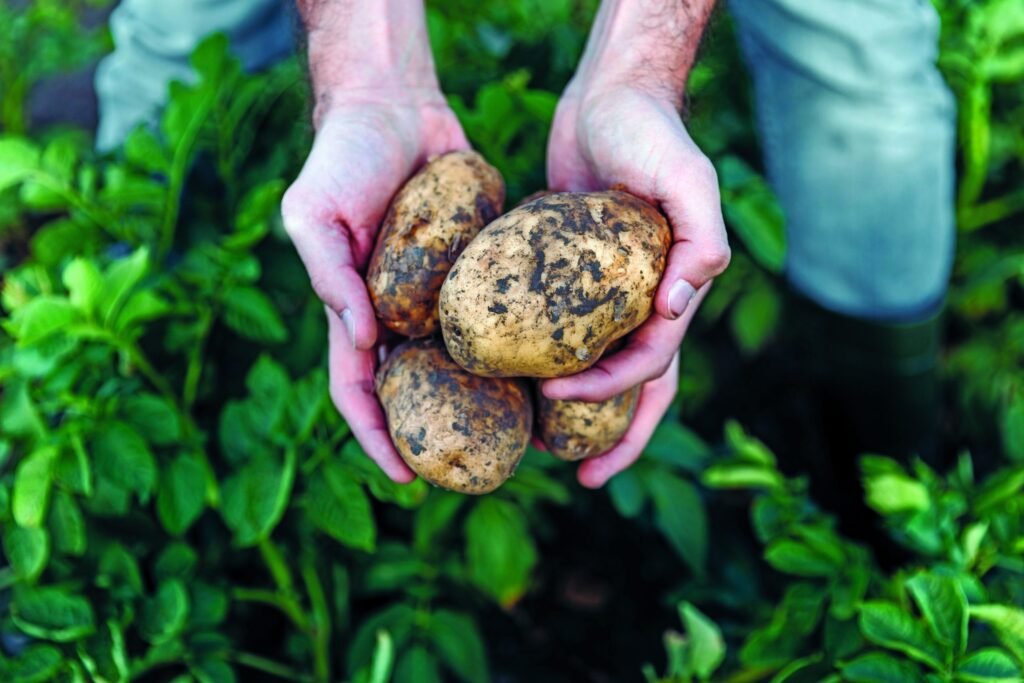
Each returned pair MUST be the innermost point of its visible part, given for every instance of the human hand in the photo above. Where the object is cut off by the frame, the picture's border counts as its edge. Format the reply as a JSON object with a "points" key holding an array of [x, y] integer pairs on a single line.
{"points": [[633, 137], [364, 149]]}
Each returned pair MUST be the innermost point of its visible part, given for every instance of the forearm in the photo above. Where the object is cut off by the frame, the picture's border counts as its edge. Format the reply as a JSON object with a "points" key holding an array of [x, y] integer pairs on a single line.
{"points": [[365, 48], [649, 44]]}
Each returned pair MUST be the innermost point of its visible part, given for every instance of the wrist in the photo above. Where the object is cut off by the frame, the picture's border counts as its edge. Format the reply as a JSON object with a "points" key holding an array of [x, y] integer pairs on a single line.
{"points": [[642, 46], [368, 52]]}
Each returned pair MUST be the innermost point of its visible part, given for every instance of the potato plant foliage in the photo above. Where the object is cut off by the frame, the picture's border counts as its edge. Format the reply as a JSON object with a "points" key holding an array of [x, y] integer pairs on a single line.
{"points": [[179, 500]]}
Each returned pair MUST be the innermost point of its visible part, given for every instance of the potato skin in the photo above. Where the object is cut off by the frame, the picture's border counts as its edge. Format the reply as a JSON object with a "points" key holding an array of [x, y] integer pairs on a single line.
{"points": [[456, 430], [574, 430], [543, 290], [430, 221]]}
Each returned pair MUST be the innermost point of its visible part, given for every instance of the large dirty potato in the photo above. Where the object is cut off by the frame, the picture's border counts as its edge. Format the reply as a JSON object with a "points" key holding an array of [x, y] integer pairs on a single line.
{"points": [[574, 430], [456, 430], [430, 221], [543, 290]]}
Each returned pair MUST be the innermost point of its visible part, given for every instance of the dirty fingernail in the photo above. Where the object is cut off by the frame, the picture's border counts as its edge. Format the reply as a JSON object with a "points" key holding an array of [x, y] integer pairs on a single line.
{"points": [[679, 297], [350, 325]]}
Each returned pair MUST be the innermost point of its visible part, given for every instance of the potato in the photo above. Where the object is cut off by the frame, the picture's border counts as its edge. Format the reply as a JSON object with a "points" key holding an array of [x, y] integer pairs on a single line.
{"points": [[574, 430], [456, 430], [430, 221], [543, 290]]}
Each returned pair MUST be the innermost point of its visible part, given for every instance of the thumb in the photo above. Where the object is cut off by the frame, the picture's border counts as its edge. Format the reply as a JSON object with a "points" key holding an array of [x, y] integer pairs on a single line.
{"points": [[700, 247], [326, 249]]}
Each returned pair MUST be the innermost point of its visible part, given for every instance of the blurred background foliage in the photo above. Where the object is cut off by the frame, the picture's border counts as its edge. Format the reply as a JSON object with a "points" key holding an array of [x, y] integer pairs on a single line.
{"points": [[180, 501]]}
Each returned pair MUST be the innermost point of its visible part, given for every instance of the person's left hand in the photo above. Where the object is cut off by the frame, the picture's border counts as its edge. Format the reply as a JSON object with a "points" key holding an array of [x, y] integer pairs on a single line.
{"points": [[629, 137]]}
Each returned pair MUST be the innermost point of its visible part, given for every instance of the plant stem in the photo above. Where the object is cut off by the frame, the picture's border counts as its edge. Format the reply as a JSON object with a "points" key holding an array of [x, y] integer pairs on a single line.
{"points": [[285, 603], [979, 215], [178, 171], [285, 584], [320, 633], [195, 360], [268, 666]]}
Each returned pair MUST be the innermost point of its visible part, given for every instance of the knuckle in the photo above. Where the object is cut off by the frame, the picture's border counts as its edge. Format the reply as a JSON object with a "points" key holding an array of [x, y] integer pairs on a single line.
{"points": [[715, 258], [293, 209]]}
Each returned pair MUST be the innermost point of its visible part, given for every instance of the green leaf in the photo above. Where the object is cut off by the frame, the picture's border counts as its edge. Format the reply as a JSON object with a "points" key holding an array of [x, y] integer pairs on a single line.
{"points": [[338, 506], [679, 515], [176, 561], [434, 517], [182, 493], [43, 316], [142, 149], [51, 613], [499, 550], [887, 625], [212, 670], [27, 549], [255, 212], [254, 499], [755, 318], [164, 615], [140, 307], [67, 525], [1008, 624], [706, 647], [800, 558], [674, 444], [119, 572], [124, 459], [84, 282], [944, 606], [890, 493], [250, 313], [988, 665], [154, 416], [627, 493], [876, 667], [208, 605], [119, 280], [37, 664], [19, 159], [32, 483], [1013, 430], [746, 447], [417, 665], [459, 645], [104, 654], [18, 413]]}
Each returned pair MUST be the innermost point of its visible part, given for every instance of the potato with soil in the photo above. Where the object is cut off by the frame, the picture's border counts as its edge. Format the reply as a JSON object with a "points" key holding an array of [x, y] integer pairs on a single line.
{"points": [[430, 221], [543, 290], [456, 430], [574, 430]]}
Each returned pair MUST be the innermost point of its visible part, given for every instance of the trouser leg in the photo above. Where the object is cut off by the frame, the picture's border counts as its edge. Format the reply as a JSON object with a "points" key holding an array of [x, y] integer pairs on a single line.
{"points": [[857, 129], [152, 43]]}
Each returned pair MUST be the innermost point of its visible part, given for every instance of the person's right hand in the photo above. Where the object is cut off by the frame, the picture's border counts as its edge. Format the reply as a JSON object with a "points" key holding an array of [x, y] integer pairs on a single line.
{"points": [[365, 148]]}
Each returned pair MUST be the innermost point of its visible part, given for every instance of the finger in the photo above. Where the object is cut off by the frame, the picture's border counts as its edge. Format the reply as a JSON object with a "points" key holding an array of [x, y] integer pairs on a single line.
{"points": [[354, 394], [647, 354], [538, 444], [655, 399], [700, 250]]}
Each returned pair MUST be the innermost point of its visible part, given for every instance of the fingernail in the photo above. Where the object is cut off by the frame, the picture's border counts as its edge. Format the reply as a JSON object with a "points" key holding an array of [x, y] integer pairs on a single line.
{"points": [[679, 297], [382, 353], [350, 325]]}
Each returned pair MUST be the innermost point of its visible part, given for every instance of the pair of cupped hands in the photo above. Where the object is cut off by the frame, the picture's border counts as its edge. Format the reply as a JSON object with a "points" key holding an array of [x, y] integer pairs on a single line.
{"points": [[369, 143]]}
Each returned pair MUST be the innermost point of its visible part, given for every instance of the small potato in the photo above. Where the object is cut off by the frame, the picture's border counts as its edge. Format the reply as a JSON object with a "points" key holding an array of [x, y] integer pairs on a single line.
{"points": [[456, 430], [430, 221], [574, 430], [543, 290]]}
